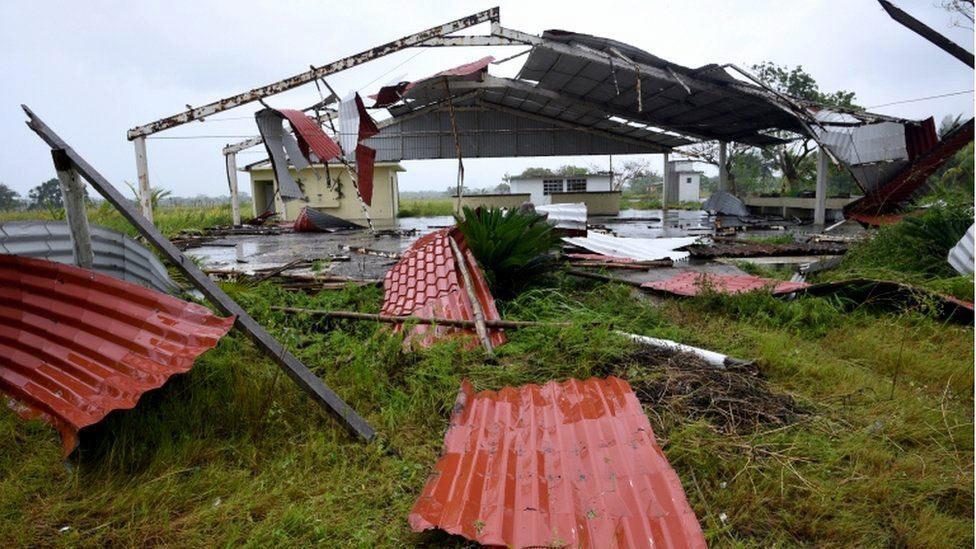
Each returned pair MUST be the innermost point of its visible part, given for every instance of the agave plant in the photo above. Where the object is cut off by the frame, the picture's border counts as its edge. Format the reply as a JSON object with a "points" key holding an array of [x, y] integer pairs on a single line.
{"points": [[512, 247]]}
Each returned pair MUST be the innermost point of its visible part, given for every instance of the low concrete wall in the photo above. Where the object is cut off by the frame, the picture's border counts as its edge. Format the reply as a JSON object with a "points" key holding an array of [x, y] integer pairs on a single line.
{"points": [[494, 200], [597, 203], [792, 206]]}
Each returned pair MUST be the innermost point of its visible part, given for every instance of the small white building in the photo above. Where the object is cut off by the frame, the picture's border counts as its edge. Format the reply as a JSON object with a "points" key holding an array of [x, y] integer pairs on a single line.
{"points": [[542, 188], [685, 184]]}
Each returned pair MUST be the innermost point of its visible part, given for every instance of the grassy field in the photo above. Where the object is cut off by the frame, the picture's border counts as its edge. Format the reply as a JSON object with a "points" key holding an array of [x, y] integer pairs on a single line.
{"points": [[637, 202], [880, 452], [426, 207], [855, 429], [168, 219]]}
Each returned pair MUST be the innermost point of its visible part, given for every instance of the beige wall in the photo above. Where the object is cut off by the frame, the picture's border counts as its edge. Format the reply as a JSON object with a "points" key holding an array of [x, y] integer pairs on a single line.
{"points": [[597, 203], [383, 211], [494, 200]]}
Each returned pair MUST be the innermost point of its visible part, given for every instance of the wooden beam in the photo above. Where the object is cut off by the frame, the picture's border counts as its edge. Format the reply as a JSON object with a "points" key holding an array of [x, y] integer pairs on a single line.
{"points": [[286, 84], [293, 367], [73, 196], [479, 314]]}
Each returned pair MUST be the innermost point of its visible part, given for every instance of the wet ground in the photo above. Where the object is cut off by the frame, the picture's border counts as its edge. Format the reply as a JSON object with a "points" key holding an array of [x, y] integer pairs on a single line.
{"points": [[247, 253]]}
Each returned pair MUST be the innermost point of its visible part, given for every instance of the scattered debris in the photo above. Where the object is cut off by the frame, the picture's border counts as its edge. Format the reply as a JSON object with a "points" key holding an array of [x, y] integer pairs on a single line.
{"points": [[353, 315], [614, 262], [725, 203], [692, 283], [641, 249], [309, 283], [77, 344], [115, 254], [961, 255], [717, 360], [427, 282], [743, 248], [369, 251], [735, 399], [896, 295], [560, 464], [310, 220]]}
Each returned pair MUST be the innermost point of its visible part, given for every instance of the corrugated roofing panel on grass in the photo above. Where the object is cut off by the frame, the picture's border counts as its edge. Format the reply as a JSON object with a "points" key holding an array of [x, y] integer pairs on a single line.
{"points": [[691, 283], [427, 282], [564, 464], [76, 345]]}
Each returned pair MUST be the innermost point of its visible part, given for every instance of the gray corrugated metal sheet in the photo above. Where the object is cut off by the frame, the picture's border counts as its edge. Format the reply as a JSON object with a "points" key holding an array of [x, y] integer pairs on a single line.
{"points": [[961, 255], [115, 254], [725, 203]]}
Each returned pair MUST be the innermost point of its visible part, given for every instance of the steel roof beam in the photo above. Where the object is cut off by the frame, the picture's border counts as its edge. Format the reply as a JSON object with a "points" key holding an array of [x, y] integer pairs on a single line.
{"points": [[491, 15]]}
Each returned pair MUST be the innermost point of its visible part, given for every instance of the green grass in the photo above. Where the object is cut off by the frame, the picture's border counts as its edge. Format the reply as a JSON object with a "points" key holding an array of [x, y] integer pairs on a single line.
{"points": [[168, 219], [426, 207], [234, 453], [627, 202]]}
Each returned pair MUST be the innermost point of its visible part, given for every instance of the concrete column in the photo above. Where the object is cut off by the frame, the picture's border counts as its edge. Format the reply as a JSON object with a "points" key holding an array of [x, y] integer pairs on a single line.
{"points": [[664, 192], [235, 205], [820, 207], [723, 173], [142, 170]]}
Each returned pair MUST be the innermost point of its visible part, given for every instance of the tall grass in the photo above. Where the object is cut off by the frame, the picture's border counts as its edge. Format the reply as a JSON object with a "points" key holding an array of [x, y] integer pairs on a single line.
{"points": [[170, 220], [426, 207]]}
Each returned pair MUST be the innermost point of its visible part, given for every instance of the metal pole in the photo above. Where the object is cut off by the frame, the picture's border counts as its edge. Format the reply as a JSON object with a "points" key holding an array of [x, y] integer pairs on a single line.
{"points": [[820, 208], [142, 171], [235, 205], [73, 195], [723, 172]]}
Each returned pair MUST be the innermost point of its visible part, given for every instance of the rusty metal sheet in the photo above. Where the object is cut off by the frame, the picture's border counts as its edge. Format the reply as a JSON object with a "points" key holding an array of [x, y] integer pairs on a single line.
{"points": [[426, 282], [758, 249], [571, 464], [389, 95], [76, 344], [691, 283], [310, 135], [310, 220]]}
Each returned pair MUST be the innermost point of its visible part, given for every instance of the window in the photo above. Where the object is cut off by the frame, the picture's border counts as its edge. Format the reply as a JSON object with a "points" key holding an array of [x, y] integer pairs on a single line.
{"points": [[688, 180], [576, 185], [550, 186]]}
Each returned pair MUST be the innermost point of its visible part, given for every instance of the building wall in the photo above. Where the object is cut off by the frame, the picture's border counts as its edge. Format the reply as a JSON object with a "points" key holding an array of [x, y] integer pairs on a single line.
{"points": [[536, 186], [597, 203], [792, 206], [318, 195], [495, 200], [689, 186]]}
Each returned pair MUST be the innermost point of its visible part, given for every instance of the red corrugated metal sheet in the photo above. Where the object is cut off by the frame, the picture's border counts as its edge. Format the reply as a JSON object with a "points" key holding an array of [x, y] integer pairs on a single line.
{"points": [[919, 139], [391, 94], [365, 160], [571, 464], [311, 136], [426, 282], [903, 188], [692, 283], [76, 345]]}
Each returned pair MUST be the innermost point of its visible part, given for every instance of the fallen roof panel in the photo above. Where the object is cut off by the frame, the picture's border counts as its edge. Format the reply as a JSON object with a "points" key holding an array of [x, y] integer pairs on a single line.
{"points": [[76, 345], [570, 464], [692, 283], [115, 254], [641, 249], [427, 282]]}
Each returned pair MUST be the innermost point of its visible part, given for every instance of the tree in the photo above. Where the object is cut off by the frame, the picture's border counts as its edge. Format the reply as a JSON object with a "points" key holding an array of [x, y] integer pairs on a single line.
{"points": [[962, 11], [502, 188], [948, 124], [9, 199], [562, 171], [637, 176], [47, 195], [708, 152], [793, 159]]}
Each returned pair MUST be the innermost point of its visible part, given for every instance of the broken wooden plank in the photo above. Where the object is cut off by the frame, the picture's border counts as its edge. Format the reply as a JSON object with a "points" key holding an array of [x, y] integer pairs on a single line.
{"points": [[299, 373]]}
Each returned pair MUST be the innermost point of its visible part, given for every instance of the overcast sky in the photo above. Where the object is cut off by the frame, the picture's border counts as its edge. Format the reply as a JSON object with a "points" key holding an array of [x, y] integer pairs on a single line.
{"points": [[94, 69]]}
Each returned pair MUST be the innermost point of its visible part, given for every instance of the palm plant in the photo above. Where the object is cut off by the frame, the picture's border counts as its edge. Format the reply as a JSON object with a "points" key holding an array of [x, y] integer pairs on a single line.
{"points": [[512, 248]]}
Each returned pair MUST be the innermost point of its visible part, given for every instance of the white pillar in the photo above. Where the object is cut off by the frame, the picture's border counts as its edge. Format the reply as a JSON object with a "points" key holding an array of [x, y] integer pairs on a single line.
{"points": [[723, 172], [664, 192], [142, 170], [73, 196], [235, 205], [820, 207]]}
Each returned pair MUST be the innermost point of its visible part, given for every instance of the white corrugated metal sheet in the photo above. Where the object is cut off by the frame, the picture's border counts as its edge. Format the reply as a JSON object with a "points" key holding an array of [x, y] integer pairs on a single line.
{"points": [[961, 255], [115, 254], [725, 203], [565, 216], [641, 249]]}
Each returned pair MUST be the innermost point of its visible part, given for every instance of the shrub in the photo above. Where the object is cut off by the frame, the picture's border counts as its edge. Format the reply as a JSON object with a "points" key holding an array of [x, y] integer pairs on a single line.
{"points": [[512, 248]]}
